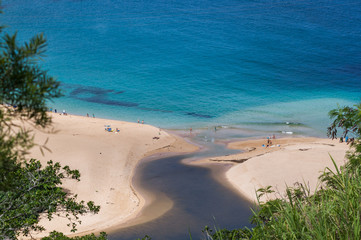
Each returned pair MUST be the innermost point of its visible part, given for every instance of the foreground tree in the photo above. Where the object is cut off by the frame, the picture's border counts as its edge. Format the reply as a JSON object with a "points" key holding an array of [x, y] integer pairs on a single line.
{"points": [[24, 90], [60, 236], [36, 191], [346, 118], [27, 189]]}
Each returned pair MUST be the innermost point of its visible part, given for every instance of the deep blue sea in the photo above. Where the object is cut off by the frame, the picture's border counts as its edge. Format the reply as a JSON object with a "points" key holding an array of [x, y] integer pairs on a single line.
{"points": [[250, 64]]}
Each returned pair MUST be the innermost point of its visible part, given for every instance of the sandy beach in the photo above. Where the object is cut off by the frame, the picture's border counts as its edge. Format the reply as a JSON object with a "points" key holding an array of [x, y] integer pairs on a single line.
{"points": [[106, 161], [287, 161]]}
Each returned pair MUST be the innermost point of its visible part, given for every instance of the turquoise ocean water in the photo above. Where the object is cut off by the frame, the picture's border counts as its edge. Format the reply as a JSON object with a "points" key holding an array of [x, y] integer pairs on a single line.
{"points": [[276, 65]]}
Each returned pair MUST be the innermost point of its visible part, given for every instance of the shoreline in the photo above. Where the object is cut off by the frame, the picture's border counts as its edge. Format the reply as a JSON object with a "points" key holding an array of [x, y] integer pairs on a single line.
{"points": [[107, 163], [160, 203], [288, 161], [124, 150]]}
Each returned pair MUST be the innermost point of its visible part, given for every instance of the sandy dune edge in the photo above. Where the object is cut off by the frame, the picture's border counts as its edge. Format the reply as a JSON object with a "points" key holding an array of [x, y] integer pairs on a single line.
{"points": [[295, 160], [106, 161]]}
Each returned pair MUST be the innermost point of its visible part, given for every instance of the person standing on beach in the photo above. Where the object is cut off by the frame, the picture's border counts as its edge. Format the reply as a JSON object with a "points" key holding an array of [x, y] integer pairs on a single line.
{"points": [[268, 142]]}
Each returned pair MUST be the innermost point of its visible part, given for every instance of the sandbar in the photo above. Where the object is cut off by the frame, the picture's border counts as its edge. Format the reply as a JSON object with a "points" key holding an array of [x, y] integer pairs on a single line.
{"points": [[287, 162]]}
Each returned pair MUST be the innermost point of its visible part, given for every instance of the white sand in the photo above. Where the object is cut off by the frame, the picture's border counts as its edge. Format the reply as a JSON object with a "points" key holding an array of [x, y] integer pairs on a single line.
{"points": [[296, 160], [106, 161]]}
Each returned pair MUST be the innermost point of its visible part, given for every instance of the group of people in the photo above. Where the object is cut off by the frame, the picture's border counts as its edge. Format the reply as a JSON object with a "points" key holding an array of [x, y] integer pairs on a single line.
{"points": [[65, 113], [108, 128], [56, 111], [269, 141], [347, 140], [142, 121]]}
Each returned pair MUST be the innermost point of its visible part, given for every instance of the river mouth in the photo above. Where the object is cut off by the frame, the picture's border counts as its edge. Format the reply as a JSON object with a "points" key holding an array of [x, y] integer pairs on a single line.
{"points": [[186, 197]]}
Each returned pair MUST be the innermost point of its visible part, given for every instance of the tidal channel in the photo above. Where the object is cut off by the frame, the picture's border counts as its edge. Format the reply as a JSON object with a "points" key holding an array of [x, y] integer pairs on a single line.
{"points": [[200, 195]]}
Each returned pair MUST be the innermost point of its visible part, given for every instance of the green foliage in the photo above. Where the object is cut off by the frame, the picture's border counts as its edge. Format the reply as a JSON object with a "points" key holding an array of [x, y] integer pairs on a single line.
{"points": [[349, 120], [24, 90], [61, 236], [346, 118], [36, 191], [223, 234], [28, 189], [23, 83]]}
